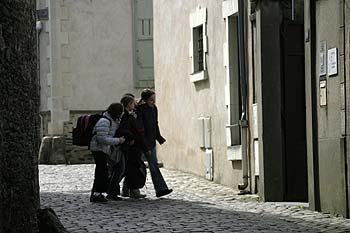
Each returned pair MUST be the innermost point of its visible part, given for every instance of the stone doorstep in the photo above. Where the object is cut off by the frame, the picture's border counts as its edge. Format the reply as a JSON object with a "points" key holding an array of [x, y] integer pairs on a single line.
{"points": [[302, 204]]}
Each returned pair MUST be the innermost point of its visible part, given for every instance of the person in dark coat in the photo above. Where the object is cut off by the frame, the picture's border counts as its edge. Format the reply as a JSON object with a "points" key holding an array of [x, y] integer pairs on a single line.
{"points": [[135, 169], [148, 112]]}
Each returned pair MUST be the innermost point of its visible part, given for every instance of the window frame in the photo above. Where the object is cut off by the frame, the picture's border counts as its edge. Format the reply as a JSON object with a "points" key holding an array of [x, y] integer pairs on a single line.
{"points": [[198, 21]]}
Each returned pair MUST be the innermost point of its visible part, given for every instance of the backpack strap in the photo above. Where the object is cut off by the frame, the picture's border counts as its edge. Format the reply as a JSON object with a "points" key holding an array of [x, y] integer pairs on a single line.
{"points": [[110, 122]]}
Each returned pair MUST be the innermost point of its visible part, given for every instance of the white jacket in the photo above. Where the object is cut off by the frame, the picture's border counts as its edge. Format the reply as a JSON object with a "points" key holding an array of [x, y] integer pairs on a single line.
{"points": [[103, 132]]}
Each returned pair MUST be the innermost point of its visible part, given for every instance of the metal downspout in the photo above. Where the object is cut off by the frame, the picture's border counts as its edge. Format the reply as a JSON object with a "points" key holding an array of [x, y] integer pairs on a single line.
{"points": [[243, 86]]}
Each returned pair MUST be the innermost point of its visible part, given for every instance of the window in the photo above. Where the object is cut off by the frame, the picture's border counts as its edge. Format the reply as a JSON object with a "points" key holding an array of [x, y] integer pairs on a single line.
{"points": [[234, 106], [231, 63], [198, 45], [198, 49]]}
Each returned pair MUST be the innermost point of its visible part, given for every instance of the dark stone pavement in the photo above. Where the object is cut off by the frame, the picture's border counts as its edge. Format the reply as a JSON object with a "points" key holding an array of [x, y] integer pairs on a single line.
{"points": [[196, 205]]}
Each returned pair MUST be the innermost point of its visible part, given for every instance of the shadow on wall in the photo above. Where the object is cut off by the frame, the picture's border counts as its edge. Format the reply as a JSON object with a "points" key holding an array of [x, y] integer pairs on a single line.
{"points": [[202, 85]]}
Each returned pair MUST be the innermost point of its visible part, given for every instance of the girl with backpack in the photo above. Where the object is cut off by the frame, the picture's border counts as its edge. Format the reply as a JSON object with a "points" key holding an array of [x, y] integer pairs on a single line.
{"points": [[102, 139], [148, 112]]}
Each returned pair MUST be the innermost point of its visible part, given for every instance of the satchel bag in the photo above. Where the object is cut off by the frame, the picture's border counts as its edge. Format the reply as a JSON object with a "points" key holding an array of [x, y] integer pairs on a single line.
{"points": [[116, 154]]}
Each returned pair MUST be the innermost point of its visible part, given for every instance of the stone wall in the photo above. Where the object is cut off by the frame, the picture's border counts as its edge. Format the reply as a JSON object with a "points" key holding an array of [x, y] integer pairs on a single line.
{"points": [[59, 149]]}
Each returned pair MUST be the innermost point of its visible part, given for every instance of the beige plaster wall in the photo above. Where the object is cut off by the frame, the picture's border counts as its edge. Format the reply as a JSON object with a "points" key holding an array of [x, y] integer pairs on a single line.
{"points": [[99, 53], [86, 57], [180, 101]]}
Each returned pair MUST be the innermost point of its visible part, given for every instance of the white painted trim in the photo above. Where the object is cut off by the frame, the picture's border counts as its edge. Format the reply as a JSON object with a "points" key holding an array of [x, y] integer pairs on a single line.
{"points": [[225, 48], [255, 121], [227, 96], [229, 7], [198, 17], [256, 157], [205, 49]]}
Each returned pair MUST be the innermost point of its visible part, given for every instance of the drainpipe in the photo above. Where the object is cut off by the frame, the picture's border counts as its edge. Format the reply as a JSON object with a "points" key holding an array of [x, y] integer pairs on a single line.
{"points": [[293, 10], [243, 86]]}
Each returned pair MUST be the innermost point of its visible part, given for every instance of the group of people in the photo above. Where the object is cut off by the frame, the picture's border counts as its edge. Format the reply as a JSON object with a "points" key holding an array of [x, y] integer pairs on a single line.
{"points": [[127, 131]]}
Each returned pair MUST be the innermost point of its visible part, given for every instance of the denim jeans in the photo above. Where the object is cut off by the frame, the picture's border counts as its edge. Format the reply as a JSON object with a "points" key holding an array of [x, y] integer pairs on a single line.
{"points": [[157, 177]]}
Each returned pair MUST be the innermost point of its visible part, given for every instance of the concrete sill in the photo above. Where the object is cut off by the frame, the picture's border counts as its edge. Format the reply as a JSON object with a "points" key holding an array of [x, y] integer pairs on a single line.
{"points": [[234, 153], [199, 76]]}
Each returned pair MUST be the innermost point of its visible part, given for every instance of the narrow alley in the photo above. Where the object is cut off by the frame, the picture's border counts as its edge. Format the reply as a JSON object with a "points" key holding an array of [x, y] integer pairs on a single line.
{"points": [[196, 205]]}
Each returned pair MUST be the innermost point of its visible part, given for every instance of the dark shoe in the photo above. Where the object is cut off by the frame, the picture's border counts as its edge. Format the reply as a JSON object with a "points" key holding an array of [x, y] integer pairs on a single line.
{"points": [[163, 192], [125, 191], [99, 198], [114, 198], [125, 195], [136, 194]]}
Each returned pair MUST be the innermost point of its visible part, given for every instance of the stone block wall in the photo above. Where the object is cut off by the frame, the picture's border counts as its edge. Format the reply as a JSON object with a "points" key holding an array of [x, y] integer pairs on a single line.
{"points": [[59, 149]]}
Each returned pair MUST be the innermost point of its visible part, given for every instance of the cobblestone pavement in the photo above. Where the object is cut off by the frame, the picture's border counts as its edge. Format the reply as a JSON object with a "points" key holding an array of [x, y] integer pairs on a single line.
{"points": [[196, 205]]}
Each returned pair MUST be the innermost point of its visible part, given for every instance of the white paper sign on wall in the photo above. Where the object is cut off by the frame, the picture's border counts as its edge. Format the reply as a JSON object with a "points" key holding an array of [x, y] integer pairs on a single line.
{"points": [[332, 61]]}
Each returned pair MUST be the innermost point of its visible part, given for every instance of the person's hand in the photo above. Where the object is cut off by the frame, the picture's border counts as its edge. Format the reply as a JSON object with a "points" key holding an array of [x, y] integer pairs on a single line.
{"points": [[131, 142], [121, 140], [162, 141]]}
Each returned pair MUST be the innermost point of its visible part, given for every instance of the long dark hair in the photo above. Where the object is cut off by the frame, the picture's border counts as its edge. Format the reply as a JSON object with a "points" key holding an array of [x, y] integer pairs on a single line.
{"points": [[145, 95]]}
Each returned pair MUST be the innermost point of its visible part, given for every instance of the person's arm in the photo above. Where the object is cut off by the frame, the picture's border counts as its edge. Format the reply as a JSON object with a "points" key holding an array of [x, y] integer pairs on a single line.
{"points": [[102, 133], [159, 137], [141, 131]]}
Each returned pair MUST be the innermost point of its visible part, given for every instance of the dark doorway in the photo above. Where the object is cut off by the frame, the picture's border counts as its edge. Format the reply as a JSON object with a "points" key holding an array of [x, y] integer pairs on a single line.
{"points": [[294, 111]]}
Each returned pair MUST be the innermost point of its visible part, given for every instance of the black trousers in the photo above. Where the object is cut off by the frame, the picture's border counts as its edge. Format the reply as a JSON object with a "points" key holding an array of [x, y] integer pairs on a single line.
{"points": [[134, 178], [101, 180]]}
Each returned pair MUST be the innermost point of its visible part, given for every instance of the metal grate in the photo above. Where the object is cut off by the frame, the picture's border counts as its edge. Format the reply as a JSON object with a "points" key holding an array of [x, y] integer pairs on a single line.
{"points": [[200, 48]]}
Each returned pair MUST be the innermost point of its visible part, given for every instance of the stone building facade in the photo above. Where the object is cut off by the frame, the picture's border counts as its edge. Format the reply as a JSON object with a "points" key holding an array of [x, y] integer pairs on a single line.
{"points": [[248, 105], [91, 53]]}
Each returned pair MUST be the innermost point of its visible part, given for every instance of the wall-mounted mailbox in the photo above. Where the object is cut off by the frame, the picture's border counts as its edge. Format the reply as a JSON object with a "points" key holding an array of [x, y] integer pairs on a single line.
{"points": [[209, 164], [323, 93]]}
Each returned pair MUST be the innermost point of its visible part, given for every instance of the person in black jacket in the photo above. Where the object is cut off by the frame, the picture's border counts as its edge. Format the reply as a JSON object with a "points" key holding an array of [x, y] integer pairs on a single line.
{"points": [[148, 113], [135, 169]]}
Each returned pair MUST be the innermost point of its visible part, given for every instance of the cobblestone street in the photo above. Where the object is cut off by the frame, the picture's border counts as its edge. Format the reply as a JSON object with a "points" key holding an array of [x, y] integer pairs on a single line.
{"points": [[196, 205]]}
